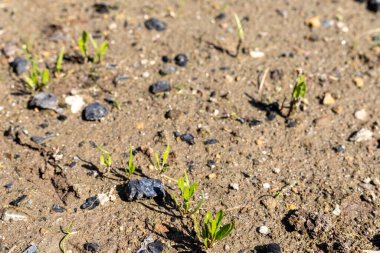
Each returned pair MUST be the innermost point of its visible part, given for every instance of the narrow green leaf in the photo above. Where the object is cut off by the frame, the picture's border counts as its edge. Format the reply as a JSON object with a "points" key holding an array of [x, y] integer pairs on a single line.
{"points": [[224, 231], [58, 66], [240, 30], [166, 154], [45, 78]]}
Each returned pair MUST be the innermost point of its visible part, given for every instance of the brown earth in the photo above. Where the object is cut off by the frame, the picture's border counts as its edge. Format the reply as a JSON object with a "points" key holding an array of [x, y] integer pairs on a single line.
{"points": [[210, 93]]}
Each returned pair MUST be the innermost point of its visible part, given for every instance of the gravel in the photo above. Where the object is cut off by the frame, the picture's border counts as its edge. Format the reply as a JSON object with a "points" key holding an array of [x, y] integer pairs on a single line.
{"points": [[94, 111]]}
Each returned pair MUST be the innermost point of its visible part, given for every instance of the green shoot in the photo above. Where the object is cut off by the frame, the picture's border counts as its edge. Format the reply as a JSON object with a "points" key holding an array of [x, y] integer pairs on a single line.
{"points": [[299, 92], [161, 163], [37, 79], [67, 231], [105, 159], [131, 165], [99, 51], [58, 65], [212, 229], [83, 44], [240, 30]]}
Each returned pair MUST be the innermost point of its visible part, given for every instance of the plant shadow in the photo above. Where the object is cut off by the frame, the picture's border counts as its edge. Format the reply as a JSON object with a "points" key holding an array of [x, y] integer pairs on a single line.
{"points": [[271, 109]]}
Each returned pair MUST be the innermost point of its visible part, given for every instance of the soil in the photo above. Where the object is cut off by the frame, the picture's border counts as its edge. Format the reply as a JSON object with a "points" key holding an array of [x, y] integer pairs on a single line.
{"points": [[289, 175]]}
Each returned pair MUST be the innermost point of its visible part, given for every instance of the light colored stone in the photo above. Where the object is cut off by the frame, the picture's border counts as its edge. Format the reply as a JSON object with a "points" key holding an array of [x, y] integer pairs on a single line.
{"points": [[75, 102], [313, 22], [256, 54], [337, 210], [362, 135], [264, 230], [11, 214], [359, 82], [234, 186], [328, 99], [361, 115]]}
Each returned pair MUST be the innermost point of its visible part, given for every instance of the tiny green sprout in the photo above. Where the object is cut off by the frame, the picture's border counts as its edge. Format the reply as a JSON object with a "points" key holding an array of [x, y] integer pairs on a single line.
{"points": [[240, 30], [58, 65], [99, 51], [83, 44], [187, 193], [105, 159], [212, 229], [67, 231], [298, 93], [161, 163], [37, 79], [131, 165]]}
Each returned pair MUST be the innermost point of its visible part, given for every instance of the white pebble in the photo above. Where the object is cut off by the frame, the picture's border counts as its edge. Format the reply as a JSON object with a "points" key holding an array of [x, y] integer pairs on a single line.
{"points": [[264, 230], [337, 210], [362, 135], [75, 102], [266, 185], [234, 186], [361, 115]]}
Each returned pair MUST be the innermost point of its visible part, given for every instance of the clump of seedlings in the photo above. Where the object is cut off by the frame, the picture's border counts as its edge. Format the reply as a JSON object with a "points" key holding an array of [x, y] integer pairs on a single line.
{"points": [[100, 51], [37, 79], [105, 159], [131, 165], [212, 229], [298, 94], [160, 163]]}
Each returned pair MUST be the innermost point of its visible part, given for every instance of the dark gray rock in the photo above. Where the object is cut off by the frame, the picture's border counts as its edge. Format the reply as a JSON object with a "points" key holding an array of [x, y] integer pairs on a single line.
{"points": [[167, 70], [211, 141], [90, 203], [373, 5], [94, 111], [57, 208], [44, 100], [269, 248], [188, 138], [19, 65], [144, 188], [16, 202], [155, 24], [181, 60], [159, 87], [156, 247], [91, 246]]}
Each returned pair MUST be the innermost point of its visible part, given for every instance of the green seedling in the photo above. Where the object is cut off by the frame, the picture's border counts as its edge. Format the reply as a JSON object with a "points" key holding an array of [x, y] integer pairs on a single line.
{"points": [[68, 232], [240, 34], [161, 163], [58, 65], [187, 193], [212, 229], [131, 165], [83, 44], [38, 79], [105, 159], [99, 51], [299, 92]]}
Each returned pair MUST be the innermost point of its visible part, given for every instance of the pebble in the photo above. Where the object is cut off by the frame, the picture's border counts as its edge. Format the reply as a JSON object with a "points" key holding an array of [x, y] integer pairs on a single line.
{"points": [[155, 24], [313, 22], [328, 99], [11, 214], [264, 230], [359, 82], [211, 164], [119, 79], [337, 210], [361, 115], [220, 16], [156, 247], [90, 203], [276, 170], [101, 8], [373, 5], [17, 201], [180, 60], [44, 100], [188, 138], [159, 87], [91, 246], [31, 249], [144, 188], [234, 186], [57, 208], [272, 248], [19, 65], [361, 135], [167, 70], [210, 142], [256, 54], [75, 102], [94, 111], [254, 122], [266, 185], [340, 148]]}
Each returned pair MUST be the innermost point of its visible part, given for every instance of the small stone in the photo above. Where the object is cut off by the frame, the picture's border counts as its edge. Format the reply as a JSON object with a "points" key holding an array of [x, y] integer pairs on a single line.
{"points": [[220, 16], [144, 188], [337, 109], [38, 139], [31, 249], [254, 122], [234, 186], [276, 170], [19, 65], [211, 176], [11, 214], [119, 79], [211, 164], [17, 201], [269, 203], [101, 8], [256, 54], [210, 142], [44, 100], [361, 115], [359, 82], [156, 247], [337, 210], [159, 87], [94, 111], [90, 203], [373, 5], [266, 185], [340, 148], [155, 24], [167, 70], [75, 102], [91, 246], [188, 138], [361, 135], [103, 198], [328, 99], [57, 208], [313, 22], [264, 230], [180, 60], [272, 248]]}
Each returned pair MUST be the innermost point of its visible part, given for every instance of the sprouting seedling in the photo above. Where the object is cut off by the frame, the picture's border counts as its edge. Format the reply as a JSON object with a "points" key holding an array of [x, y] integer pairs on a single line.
{"points": [[161, 163], [299, 92], [58, 65], [67, 231], [37, 79], [83, 44], [240, 30], [212, 229], [99, 51], [187, 193], [131, 165], [105, 159]]}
